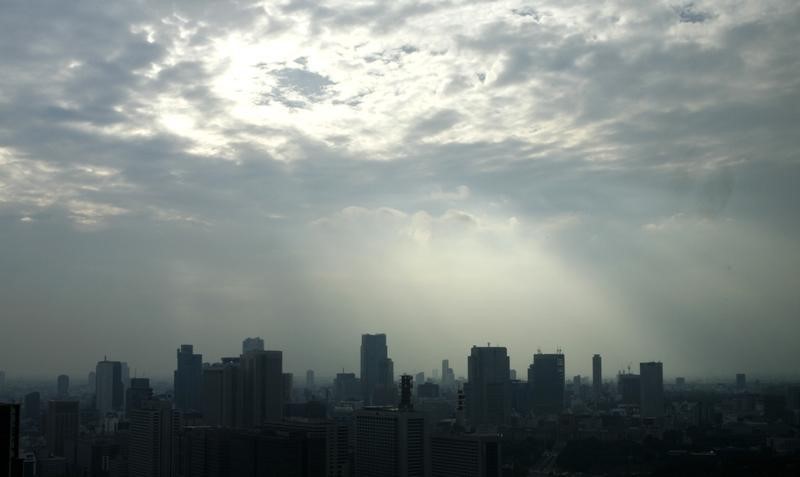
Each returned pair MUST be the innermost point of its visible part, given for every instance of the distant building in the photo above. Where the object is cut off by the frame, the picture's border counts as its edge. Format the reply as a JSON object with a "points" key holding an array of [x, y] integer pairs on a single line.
{"points": [[222, 393], [188, 379], [680, 382], [427, 390], [63, 423], [629, 388], [346, 387], [288, 385], [154, 429], [139, 392], [419, 378], [310, 379], [2, 382], [91, 382], [252, 344], [390, 443], [546, 381], [465, 455], [262, 387], [741, 381], [109, 386], [488, 391], [512, 374], [10, 451], [32, 406], [652, 389], [377, 370], [597, 375], [448, 379], [62, 386]]}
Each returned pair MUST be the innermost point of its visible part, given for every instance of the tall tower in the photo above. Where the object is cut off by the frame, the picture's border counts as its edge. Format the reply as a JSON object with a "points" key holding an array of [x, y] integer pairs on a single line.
{"points": [[262, 387], [488, 391], [108, 386], [252, 344], [62, 386], [597, 375], [188, 379], [546, 381], [377, 370], [651, 377], [154, 429], [63, 419]]}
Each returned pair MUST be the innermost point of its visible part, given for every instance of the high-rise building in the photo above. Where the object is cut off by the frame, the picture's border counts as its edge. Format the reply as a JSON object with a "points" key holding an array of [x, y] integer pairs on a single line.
{"points": [[154, 429], [652, 389], [288, 385], [629, 387], [465, 455], [546, 381], [222, 384], [310, 379], [390, 442], [427, 390], [597, 375], [62, 386], [10, 451], [91, 382], [448, 378], [109, 394], [139, 392], [347, 387], [488, 391], [377, 370], [32, 406], [741, 381], [63, 422], [188, 379], [252, 344], [262, 387]]}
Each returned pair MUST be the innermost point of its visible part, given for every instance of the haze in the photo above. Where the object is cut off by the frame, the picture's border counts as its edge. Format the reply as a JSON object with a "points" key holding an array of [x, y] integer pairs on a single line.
{"points": [[604, 177]]}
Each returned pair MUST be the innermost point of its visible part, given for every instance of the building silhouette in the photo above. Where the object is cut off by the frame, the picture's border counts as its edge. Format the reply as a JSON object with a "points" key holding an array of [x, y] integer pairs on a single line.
{"points": [[252, 344], [188, 379], [154, 429], [310, 379], [62, 386], [63, 423], [488, 391], [597, 376], [741, 381], [377, 370], [546, 381], [10, 451], [629, 388], [651, 403], [262, 387], [109, 388], [347, 387], [32, 408], [137, 393], [222, 393], [458, 454]]}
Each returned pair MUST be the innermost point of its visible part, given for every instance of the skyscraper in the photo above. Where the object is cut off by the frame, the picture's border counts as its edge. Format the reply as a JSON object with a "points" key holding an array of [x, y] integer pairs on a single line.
{"points": [[377, 370], [741, 381], [153, 432], [188, 379], [546, 381], [310, 379], [109, 387], [652, 389], [252, 344], [390, 442], [465, 455], [222, 384], [597, 375], [629, 387], [62, 386], [138, 393], [262, 387], [63, 422], [32, 406], [10, 424], [488, 391]]}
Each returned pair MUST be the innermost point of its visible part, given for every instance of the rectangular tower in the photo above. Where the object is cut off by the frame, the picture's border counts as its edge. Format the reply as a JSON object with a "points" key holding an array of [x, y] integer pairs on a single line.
{"points": [[489, 387], [597, 375], [651, 376], [188, 379], [546, 381]]}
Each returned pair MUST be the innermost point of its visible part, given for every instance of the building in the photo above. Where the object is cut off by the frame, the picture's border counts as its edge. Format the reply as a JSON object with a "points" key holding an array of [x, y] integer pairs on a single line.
{"points": [[597, 376], [139, 392], [10, 451], [546, 381], [652, 389], [465, 455], [2, 383], [427, 390], [222, 393], [741, 381], [154, 429], [252, 344], [109, 387], [629, 388], [288, 385], [63, 423], [188, 379], [346, 387], [91, 382], [262, 387], [448, 378], [377, 370], [310, 379], [488, 391], [32, 406], [62, 386]]}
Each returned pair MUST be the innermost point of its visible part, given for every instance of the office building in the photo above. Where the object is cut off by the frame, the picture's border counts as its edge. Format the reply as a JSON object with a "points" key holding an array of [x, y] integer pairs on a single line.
{"points": [[546, 381], [377, 370], [390, 442], [91, 382], [488, 391], [310, 379], [109, 388], [597, 376], [629, 388], [346, 387], [32, 406], [137, 393], [154, 429], [10, 451], [222, 384], [188, 379], [465, 455], [63, 423], [62, 386], [427, 390], [741, 381], [252, 344], [262, 387], [448, 379], [652, 389]]}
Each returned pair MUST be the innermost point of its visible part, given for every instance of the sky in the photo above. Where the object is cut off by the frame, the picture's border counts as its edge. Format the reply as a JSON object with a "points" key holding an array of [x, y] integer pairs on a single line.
{"points": [[615, 177]]}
